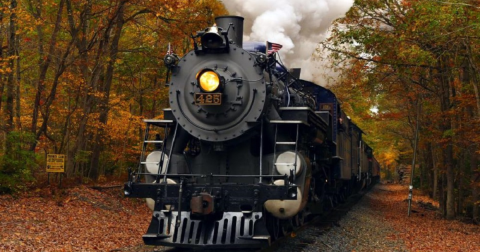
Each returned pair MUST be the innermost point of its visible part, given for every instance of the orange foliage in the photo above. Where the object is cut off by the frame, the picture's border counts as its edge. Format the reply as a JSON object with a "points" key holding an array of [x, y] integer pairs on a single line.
{"points": [[77, 91]]}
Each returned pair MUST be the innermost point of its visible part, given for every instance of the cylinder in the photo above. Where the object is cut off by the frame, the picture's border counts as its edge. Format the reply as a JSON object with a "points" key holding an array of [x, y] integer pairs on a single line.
{"points": [[236, 31]]}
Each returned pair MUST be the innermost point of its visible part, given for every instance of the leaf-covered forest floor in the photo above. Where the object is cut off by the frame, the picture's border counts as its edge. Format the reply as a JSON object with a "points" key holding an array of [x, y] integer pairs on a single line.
{"points": [[72, 219], [84, 219], [424, 230]]}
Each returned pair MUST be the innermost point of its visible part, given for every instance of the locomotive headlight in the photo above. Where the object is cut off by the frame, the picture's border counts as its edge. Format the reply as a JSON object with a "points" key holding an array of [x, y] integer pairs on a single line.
{"points": [[209, 81]]}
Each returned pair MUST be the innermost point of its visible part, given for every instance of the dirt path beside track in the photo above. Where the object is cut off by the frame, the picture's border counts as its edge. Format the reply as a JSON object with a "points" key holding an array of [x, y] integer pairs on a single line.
{"points": [[379, 222]]}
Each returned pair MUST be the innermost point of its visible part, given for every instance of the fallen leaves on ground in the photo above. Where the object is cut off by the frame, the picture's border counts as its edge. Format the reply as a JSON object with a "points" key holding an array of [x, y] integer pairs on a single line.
{"points": [[76, 219], [84, 219], [424, 230]]}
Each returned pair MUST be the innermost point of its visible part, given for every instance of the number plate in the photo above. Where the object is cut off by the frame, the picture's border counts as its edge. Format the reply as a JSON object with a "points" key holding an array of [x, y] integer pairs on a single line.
{"points": [[208, 99]]}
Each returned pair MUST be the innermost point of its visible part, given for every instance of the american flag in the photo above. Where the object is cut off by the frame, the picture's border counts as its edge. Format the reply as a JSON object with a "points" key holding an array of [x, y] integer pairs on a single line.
{"points": [[273, 48]]}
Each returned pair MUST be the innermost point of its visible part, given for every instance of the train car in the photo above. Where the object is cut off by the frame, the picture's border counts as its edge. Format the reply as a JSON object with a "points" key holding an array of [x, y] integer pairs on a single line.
{"points": [[245, 152], [345, 146]]}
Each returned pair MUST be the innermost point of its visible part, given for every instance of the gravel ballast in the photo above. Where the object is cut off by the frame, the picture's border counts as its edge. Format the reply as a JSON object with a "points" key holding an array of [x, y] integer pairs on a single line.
{"points": [[361, 229]]}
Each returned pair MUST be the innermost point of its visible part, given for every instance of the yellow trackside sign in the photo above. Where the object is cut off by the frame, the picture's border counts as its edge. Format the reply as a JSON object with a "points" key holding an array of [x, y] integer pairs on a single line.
{"points": [[55, 163]]}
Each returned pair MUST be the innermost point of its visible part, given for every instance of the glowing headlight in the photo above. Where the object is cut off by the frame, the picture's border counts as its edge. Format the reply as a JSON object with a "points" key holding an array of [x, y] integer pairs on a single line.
{"points": [[209, 81]]}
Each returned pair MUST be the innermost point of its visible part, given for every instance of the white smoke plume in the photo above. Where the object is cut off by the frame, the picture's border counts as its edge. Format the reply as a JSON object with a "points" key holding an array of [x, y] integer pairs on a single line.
{"points": [[298, 25]]}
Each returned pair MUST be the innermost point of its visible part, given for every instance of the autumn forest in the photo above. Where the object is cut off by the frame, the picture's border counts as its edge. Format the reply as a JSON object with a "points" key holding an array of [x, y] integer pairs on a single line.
{"points": [[78, 76]]}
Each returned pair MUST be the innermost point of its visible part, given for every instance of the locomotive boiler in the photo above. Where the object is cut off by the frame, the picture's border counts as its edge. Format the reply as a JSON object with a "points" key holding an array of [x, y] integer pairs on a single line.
{"points": [[246, 150]]}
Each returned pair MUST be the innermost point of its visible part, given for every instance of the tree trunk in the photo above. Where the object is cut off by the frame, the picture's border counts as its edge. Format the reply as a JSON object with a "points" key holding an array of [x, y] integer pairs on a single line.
{"points": [[441, 195], [460, 185], [43, 69], [471, 74], [2, 80], [448, 154], [105, 90], [17, 87], [475, 188], [81, 45], [10, 75], [446, 127], [471, 77], [435, 173]]}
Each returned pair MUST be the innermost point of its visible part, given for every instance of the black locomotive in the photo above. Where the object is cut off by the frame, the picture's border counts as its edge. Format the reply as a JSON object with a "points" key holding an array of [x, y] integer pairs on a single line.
{"points": [[247, 150]]}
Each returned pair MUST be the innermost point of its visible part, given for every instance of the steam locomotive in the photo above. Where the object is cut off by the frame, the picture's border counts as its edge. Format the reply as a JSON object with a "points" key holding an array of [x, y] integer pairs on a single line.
{"points": [[247, 150]]}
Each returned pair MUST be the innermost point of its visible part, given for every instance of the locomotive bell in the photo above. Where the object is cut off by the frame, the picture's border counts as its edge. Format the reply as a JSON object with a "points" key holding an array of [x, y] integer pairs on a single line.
{"points": [[212, 38]]}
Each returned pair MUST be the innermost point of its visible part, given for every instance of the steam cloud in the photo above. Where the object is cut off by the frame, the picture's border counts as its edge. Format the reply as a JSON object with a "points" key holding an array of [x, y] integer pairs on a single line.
{"points": [[297, 25]]}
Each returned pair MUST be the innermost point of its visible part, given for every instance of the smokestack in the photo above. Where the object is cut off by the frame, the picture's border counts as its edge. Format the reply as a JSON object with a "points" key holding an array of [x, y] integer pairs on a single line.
{"points": [[236, 31]]}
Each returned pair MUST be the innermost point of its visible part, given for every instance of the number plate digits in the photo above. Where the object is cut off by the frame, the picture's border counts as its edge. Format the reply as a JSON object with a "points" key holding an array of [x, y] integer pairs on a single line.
{"points": [[208, 99]]}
